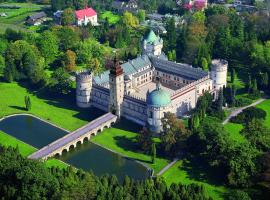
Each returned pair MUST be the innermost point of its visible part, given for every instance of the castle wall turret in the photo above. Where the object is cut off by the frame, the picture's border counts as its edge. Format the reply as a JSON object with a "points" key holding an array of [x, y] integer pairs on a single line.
{"points": [[219, 70], [83, 89]]}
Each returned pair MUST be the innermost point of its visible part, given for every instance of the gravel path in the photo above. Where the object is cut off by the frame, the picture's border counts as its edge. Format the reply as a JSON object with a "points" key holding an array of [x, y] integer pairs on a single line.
{"points": [[167, 167], [239, 110]]}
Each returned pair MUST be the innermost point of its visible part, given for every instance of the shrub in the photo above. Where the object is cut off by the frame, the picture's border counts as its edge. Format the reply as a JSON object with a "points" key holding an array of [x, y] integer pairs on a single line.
{"points": [[248, 114], [243, 101]]}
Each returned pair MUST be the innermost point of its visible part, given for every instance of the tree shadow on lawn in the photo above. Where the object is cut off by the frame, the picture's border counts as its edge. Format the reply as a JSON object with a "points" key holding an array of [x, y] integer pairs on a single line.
{"points": [[198, 170], [128, 125], [67, 101], [130, 145], [18, 108]]}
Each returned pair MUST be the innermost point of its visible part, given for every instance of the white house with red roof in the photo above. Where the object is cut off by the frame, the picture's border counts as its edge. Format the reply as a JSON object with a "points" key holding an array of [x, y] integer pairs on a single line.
{"points": [[86, 16], [193, 4]]}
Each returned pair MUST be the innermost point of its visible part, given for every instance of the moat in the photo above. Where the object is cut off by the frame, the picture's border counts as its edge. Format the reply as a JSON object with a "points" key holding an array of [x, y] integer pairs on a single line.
{"points": [[88, 156]]}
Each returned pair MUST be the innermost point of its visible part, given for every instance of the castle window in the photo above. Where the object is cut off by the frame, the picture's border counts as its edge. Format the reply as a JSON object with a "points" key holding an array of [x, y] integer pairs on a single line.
{"points": [[151, 114]]}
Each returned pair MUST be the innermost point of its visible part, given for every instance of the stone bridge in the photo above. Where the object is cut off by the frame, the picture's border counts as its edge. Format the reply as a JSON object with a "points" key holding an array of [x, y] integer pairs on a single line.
{"points": [[75, 138]]}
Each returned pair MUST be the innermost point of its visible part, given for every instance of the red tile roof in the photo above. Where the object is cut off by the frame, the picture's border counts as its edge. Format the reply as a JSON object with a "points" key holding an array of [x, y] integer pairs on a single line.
{"points": [[88, 12]]}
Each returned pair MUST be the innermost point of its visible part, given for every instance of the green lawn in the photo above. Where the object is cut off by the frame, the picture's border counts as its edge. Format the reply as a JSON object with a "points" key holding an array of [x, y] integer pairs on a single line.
{"points": [[266, 107], [61, 111], [234, 131], [7, 140], [113, 18], [122, 140], [26, 149], [183, 172]]}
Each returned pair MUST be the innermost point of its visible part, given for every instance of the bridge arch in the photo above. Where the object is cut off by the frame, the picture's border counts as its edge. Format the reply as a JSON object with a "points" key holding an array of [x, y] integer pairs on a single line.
{"points": [[85, 139], [72, 146], [64, 151]]}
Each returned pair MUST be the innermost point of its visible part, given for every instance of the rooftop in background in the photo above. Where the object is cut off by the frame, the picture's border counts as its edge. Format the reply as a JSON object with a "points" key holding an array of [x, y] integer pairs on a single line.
{"points": [[87, 12]]}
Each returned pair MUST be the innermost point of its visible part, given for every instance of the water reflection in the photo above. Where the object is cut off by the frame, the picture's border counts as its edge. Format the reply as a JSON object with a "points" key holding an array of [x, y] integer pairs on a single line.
{"points": [[87, 156]]}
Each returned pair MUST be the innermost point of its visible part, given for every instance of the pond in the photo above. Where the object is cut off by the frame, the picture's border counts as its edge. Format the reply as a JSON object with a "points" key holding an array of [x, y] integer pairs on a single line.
{"points": [[88, 156]]}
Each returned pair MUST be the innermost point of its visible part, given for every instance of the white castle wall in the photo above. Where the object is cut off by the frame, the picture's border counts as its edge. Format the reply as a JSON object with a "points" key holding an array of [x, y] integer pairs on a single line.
{"points": [[184, 101], [100, 98], [135, 109]]}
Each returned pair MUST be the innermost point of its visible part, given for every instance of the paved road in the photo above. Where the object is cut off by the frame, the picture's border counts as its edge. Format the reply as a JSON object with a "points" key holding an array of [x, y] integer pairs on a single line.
{"points": [[239, 110], [167, 167], [71, 136]]}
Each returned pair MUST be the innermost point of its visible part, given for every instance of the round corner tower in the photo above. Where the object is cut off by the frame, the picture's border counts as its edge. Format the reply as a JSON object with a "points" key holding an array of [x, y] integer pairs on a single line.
{"points": [[83, 89], [219, 70]]}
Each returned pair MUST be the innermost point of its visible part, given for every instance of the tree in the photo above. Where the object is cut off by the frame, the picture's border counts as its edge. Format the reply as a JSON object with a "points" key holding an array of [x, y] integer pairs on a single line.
{"points": [[241, 163], [204, 64], [48, 46], [257, 134], [27, 102], [70, 60], [68, 17], [153, 152], [61, 82], [68, 37], [2, 64], [171, 34], [144, 139], [174, 134], [23, 61], [141, 15], [130, 20], [95, 66], [233, 75]]}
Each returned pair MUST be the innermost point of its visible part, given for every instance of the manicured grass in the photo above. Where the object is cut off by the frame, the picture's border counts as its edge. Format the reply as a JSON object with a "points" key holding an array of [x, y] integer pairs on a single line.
{"points": [[123, 141], [61, 110], [52, 162], [26, 149], [113, 18], [183, 172], [234, 131], [266, 107]]}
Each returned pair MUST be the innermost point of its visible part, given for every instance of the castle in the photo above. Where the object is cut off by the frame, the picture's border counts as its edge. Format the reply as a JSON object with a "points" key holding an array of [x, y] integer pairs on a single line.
{"points": [[144, 88]]}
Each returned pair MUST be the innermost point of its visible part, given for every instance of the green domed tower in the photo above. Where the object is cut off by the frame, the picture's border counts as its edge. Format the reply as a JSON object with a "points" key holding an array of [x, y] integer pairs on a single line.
{"points": [[158, 103], [152, 44]]}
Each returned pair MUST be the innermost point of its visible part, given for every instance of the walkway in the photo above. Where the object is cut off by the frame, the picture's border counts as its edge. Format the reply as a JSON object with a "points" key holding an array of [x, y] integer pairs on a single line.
{"points": [[78, 136], [239, 110], [167, 167]]}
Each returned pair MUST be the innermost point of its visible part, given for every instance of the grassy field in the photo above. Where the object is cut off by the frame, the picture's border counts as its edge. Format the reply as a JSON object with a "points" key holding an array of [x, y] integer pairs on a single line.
{"points": [[26, 149], [7, 140], [234, 131], [186, 172], [112, 18], [266, 107], [16, 17], [61, 111], [122, 138]]}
